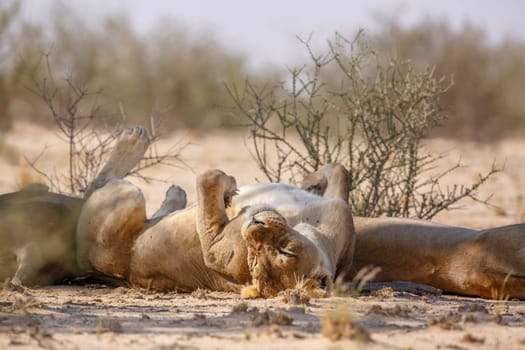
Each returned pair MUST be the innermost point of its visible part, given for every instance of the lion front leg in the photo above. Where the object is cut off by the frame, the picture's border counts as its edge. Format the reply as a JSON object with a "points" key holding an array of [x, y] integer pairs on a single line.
{"points": [[223, 247]]}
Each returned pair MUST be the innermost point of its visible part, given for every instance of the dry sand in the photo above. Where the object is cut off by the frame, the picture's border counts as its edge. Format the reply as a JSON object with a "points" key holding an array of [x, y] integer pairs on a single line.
{"points": [[98, 317]]}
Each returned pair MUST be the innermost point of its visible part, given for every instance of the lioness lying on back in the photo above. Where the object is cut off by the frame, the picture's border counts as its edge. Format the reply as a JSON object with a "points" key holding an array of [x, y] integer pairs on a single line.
{"points": [[270, 235]]}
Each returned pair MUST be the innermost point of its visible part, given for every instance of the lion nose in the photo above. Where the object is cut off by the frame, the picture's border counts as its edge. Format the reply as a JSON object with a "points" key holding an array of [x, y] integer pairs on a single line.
{"points": [[254, 221]]}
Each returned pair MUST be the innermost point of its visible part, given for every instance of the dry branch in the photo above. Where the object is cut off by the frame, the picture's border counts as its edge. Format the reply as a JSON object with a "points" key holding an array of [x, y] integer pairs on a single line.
{"points": [[89, 132], [370, 114]]}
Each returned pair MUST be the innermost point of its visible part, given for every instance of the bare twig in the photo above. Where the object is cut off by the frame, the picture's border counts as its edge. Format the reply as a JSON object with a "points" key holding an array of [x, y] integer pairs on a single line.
{"points": [[83, 125]]}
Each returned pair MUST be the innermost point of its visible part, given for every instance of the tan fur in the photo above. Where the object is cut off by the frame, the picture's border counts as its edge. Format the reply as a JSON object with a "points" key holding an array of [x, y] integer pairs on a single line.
{"points": [[268, 238], [279, 256], [37, 236], [214, 244], [272, 236], [454, 259], [488, 263]]}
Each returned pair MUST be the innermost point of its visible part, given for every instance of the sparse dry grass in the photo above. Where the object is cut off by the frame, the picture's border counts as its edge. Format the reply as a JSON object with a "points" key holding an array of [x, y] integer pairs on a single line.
{"points": [[355, 287], [452, 321], [339, 324], [295, 297], [240, 307], [199, 293], [385, 292], [269, 317], [395, 311], [19, 302], [469, 338]]}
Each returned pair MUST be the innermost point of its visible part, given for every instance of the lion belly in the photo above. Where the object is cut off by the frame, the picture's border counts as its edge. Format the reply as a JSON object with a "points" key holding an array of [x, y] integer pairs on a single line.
{"points": [[286, 199], [167, 256]]}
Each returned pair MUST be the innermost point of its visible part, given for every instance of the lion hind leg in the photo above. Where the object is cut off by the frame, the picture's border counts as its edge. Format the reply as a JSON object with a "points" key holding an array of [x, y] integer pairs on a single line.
{"points": [[125, 155], [175, 200], [110, 220], [330, 181]]}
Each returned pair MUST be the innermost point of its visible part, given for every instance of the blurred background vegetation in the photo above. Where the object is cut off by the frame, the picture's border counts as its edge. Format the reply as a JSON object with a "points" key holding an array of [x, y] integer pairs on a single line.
{"points": [[180, 76]]}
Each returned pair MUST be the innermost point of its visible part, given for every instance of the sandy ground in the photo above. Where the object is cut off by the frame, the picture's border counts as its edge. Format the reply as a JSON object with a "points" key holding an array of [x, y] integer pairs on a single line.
{"points": [[97, 316]]}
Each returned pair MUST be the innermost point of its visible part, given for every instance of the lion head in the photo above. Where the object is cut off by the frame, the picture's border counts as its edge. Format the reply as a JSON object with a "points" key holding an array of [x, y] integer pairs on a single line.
{"points": [[280, 257]]}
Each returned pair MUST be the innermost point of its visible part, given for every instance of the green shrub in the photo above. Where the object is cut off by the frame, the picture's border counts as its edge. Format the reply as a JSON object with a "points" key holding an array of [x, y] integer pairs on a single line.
{"points": [[373, 120]]}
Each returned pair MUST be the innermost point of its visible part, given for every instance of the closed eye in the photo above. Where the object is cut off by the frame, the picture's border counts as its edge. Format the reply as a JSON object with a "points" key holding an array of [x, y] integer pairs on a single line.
{"points": [[254, 221], [286, 253]]}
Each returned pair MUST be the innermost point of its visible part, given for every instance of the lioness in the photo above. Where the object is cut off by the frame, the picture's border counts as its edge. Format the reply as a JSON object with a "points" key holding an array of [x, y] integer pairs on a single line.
{"points": [[270, 235], [488, 263], [37, 236]]}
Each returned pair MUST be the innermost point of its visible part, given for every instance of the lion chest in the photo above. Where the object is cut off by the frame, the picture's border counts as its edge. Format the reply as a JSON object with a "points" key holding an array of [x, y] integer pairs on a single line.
{"points": [[288, 200]]}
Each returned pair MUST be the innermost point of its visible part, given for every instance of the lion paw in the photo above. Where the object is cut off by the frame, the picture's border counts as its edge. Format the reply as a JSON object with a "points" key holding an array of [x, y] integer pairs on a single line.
{"points": [[230, 191], [315, 183], [217, 180], [175, 200], [176, 197], [125, 155], [128, 151]]}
